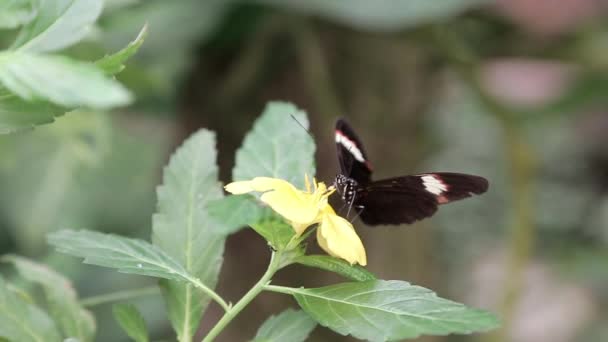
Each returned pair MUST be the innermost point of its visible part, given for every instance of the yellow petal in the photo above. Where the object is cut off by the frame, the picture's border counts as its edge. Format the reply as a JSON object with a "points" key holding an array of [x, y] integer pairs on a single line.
{"points": [[307, 183], [338, 238], [299, 228], [238, 188], [291, 203]]}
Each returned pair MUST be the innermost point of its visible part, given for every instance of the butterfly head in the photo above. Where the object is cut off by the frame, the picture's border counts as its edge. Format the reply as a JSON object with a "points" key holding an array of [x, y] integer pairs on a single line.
{"points": [[346, 187]]}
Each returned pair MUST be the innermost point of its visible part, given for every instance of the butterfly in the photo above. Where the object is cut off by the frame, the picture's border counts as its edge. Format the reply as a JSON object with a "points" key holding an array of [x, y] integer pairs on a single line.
{"points": [[398, 200]]}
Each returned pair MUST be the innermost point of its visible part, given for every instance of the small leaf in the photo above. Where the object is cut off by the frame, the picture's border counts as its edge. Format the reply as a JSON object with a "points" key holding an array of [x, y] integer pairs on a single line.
{"points": [[23, 322], [183, 228], [72, 318], [277, 146], [328, 263], [60, 80], [17, 114], [389, 310], [289, 326], [127, 255], [16, 13], [275, 231], [115, 63], [236, 212], [131, 321], [60, 24]]}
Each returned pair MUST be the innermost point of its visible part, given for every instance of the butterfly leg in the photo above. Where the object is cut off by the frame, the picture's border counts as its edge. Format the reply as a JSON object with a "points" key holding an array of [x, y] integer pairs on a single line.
{"points": [[350, 205], [358, 212]]}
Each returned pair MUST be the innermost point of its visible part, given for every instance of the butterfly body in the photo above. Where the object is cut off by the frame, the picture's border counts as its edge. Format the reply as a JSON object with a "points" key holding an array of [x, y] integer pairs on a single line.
{"points": [[397, 200]]}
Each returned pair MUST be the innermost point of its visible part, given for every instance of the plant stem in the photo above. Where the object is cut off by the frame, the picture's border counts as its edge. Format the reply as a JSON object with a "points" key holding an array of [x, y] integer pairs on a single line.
{"points": [[279, 289], [231, 313], [119, 295]]}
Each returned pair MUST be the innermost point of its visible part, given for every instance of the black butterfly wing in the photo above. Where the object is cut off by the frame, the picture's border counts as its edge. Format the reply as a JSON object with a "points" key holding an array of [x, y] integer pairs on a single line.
{"points": [[351, 154], [394, 206], [404, 200]]}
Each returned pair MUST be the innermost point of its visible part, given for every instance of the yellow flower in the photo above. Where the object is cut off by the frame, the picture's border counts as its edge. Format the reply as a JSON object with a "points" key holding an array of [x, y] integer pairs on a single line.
{"points": [[305, 208]]}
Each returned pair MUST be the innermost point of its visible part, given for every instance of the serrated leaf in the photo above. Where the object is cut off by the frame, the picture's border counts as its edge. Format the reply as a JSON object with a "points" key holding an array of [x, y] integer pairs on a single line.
{"points": [[60, 80], [275, 231], [382, 15], [277, 146], [70, 316], [236, 212], [389, 310], [127, 255], [17, 114], [289, 326], [343, 268], [23, 322], [183, 228], [131, 321], [14, 13], [60, 24], [113, 64]]}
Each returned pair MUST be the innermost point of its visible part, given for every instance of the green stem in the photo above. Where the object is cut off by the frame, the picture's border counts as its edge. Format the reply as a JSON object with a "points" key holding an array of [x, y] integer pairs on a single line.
{"points": [[280, 289], [273, 267], [119, 295]]}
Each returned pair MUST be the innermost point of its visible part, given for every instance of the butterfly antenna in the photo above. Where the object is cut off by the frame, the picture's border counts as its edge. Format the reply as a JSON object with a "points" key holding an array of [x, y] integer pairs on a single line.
{"points": [[300, 124]]}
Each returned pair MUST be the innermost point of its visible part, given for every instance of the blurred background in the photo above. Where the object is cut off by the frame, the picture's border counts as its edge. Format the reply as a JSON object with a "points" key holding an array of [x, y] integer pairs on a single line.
{"points": [[513, 90]]}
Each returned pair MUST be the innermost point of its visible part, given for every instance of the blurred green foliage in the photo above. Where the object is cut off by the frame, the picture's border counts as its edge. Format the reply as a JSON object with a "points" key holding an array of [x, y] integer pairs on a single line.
{"points": [[417, 94]]}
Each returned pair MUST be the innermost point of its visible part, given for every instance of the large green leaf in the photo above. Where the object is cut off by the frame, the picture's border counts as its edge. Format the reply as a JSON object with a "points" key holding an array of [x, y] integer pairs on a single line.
{"points": [[60, 23], [127, 255], [22, 321], [71, 317], [342, 267], [278, 146], [288, 326], [14, 13], [389, 310], [115, 63], [60, 80], [184, 229], [131, 321], [236, 212], [381, 15]]}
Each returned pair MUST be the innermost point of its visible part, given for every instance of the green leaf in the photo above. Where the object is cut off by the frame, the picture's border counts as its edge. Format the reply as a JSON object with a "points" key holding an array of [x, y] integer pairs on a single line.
{"points": [[72, 318], [382, 15], [343, 268], [236, 212], [15, 13], [115, 63], [389, 310], [183, 228], [277, 146], [131, 321], [23, 322], [60, 80], [276, 231], [17, 114], [127, 255], [61, 23], [289, 326]]}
